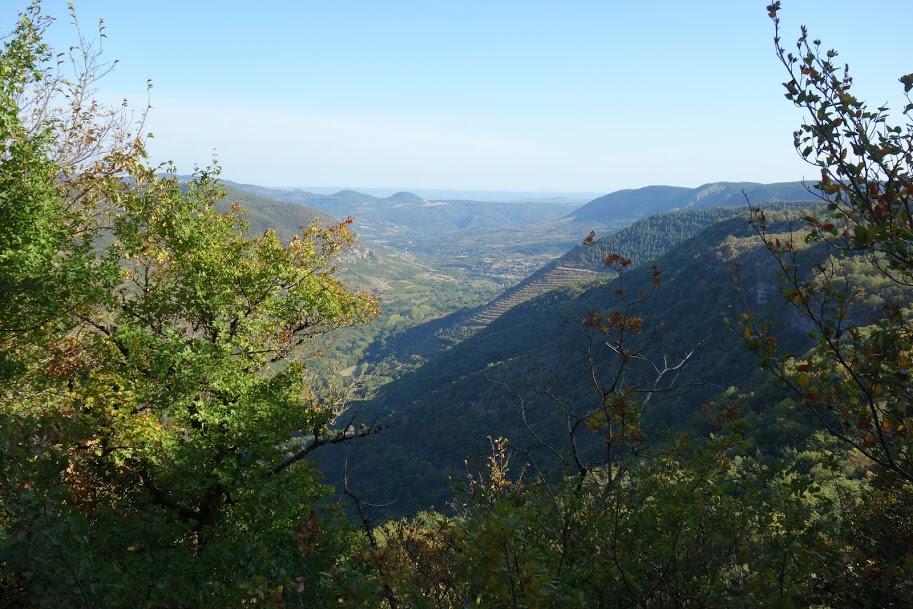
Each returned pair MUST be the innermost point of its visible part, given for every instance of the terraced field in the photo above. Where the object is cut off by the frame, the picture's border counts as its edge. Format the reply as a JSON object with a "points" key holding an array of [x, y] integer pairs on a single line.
{"points": [[539, 283]]}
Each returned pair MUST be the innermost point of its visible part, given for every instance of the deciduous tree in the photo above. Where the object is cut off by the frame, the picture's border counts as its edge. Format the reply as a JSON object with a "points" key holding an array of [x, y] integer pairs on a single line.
{"points": [[156, 410]]}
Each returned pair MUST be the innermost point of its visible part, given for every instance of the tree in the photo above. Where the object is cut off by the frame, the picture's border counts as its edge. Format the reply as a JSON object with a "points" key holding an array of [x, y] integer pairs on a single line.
{"points": [[857, 378], [848, 272], [156, 409]]}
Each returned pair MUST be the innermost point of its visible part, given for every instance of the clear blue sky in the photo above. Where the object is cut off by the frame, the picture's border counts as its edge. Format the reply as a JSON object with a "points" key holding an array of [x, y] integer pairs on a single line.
{"points": [[500, 95]]}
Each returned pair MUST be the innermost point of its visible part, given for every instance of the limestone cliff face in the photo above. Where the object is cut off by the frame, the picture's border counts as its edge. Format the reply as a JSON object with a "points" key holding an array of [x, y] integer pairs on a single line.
{"points": [[358, 253]]}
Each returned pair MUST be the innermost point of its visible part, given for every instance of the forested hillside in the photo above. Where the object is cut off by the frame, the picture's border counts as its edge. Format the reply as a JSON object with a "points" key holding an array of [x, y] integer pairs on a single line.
{"points": [[263, 213], [643, 241], [641, 202], [441, 413]]}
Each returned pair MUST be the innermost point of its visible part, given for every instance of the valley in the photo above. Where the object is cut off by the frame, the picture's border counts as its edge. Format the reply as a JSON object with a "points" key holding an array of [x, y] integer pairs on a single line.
{"points": [[459, 342], [446, 269]]}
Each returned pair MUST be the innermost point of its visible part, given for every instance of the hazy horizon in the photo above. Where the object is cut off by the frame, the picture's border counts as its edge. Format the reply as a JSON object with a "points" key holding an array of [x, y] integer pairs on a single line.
{"points": [[472, 194], [536, 97]]}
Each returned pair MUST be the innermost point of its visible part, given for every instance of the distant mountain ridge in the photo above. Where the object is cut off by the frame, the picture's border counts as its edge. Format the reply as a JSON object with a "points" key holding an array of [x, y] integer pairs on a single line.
{"points": [[342, 198], [405, 216], [649, 200]]}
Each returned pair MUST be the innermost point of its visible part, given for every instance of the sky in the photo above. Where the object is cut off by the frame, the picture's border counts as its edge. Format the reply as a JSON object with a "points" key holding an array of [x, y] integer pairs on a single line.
{"points": [[560, 96]]}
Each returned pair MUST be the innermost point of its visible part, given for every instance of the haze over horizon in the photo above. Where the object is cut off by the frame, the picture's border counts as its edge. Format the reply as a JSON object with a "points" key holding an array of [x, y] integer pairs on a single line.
{"points": [[520, 96], [469, 194]]}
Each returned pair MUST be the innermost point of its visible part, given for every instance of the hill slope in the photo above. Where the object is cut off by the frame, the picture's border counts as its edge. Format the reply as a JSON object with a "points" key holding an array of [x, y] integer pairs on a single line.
{"points": [[263, 213], [642, 241], [629, 204], [443, 411]]}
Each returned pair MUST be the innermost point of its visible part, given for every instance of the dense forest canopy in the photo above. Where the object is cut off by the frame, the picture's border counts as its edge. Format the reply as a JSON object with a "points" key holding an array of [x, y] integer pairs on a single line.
{"points": [[721, 418]]}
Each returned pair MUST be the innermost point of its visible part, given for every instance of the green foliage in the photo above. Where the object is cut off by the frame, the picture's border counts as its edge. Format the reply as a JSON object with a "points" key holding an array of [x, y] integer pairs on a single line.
{"points": [[705, 527], [651, 237], [150, 401], [857, 376], [411, 291], [262, 214], [413, 297], [43, 254]]}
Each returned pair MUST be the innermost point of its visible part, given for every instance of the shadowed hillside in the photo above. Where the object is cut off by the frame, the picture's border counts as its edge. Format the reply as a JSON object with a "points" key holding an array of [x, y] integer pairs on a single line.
{"points": [[643, 241], [442, 412]]}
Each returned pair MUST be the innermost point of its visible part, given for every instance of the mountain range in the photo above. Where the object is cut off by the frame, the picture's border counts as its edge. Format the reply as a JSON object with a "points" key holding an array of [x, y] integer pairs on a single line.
{"points": [[405, 212], [638, 203]]}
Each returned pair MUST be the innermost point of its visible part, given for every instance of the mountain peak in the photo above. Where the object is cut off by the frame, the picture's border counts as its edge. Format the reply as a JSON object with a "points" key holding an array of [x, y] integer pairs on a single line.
{"points": [[405, 197], [343, 194]]}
